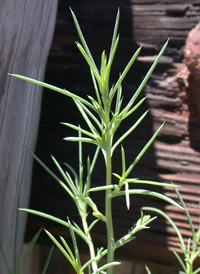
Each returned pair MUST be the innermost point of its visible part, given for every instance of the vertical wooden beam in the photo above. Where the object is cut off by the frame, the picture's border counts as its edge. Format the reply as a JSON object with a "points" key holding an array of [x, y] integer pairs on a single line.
{"points": [[25, 36]]}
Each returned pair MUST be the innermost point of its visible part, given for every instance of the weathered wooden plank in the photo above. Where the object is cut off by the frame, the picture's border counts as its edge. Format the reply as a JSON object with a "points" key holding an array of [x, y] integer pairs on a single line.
{"points": [[25, 37]]}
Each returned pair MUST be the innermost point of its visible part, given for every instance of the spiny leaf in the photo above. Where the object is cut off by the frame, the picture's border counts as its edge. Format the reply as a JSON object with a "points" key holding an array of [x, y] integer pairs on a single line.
{"points": [[60, 247], [57, 220], [86, 140], [80, 129], [29, 250], [83, 39], [128, 131], [147, 269], [48, 261], [86, 265], [95, 87], [143, 151], [72, 170], [197, 271], [149, 193], [59, 90], [50, 172], [67, 178], [124, 73], [162, 213], [114, 35], [85, 112], [100, 188], [136, 181], [106, 266], [90, 63], [73, 237], [140, 88], [127, 113], [92, 225], [118, 100], [127, 195]]}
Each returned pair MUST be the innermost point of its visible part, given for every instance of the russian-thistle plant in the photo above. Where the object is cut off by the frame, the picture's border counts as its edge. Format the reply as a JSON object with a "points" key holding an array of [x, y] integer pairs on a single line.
{"points": [[191, 250], [103, 113]]}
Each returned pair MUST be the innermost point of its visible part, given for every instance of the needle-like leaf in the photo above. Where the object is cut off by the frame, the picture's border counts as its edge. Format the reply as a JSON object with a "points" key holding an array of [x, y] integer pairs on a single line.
{"points": [[149, 193], [66, 176], [61, 248], [197, 271], [68, 249], [106, 266], [83, 39], [48, 261], [86, 265], [128, 132], [90, 63], [127, 113], [86, 140], [50, 172], [141, 86], [29, 250], [127, 195], [101, 188], [119, 100], [59, 90], [57, 220], [80, 129], [92, 225], [96, 88], [180, 261], [86, 113], [143, 151], [73, 237], [114, 34], [137, 181], [124, 74], [72, 170], [162, 213], [147, 269]]}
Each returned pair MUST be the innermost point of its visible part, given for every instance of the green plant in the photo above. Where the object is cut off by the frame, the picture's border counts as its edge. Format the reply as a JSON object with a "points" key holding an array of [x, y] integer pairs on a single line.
{"points": [[192, 250], [15, 269], [103, 116]]}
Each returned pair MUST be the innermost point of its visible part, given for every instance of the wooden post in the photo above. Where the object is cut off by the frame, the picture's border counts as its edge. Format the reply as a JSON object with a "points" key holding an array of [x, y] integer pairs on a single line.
{"points": [[25, 36]]}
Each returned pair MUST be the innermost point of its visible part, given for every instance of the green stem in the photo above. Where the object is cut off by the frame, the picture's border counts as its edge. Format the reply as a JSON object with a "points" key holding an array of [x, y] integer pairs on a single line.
{"points": [[108, 200], [91, 246], [189, 268]]}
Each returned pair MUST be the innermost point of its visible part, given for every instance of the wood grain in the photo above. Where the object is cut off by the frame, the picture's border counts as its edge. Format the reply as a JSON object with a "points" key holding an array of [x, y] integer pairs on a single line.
{"points": [[25, 37]]}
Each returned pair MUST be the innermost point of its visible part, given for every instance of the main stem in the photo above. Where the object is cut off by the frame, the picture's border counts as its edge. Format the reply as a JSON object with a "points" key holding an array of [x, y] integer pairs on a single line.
{"points": [[108, 200]]}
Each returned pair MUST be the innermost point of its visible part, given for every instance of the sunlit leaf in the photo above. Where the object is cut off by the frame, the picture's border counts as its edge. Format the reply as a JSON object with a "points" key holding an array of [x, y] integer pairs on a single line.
{"points": [[106, 266], [86, 140], [61, 248], [139, 156], [124, 73], [59, 90], [128, 131], [57, 220], [149, 193], [83, 39], [141, 86]]}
